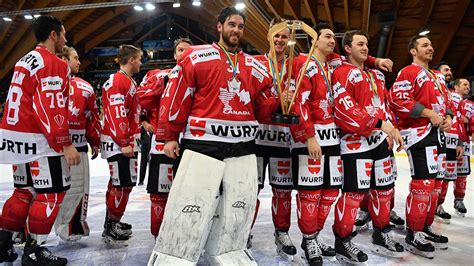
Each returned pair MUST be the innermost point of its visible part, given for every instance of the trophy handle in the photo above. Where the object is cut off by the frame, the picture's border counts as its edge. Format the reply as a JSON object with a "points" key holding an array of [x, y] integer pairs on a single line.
{"points": [[292, 25], [271, 33]]}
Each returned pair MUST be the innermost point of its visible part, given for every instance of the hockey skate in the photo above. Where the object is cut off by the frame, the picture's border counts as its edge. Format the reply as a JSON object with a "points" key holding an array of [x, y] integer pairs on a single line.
{"points": [[284, 246], [439, 241], [7, 251], [114, 234], [396, 221], [383, 244], [348, 252], [35, 254], [362, 221], [327, 251], [127, 228], [442, 216], [312, 253], [459, 207], [418, 245]]}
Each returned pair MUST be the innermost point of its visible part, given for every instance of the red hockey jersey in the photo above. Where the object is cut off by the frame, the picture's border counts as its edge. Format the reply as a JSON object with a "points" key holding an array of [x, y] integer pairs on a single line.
{"points": [[359, 107], [84, 124], [204, 100], [457, 131], [121, 114], [414, 89], [34, 123], [271, 133], [467, 116], [149, 96]]}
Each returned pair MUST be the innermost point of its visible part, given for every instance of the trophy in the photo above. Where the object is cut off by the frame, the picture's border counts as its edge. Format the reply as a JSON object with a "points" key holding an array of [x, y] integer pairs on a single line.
{"points": [[286, 103]]}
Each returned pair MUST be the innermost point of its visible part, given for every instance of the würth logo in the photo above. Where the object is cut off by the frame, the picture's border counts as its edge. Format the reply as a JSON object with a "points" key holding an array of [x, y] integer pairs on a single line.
{"points": [[197, 127], [191, 209], [283, 167], [239, 204]]}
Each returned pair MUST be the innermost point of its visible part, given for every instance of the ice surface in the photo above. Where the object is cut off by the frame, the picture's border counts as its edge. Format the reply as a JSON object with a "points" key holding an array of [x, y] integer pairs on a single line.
{"points": [[93, 251]]}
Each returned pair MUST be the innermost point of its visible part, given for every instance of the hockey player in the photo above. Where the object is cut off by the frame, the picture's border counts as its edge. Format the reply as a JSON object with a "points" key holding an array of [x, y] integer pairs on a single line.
{"points": [[454, 152], [212, 96], [84, 128], [361, 114], [463, 169], [118, 140], [318, 175], [418, 98], [273, 151], [35, 137], [462, 86], [160, 175], [445, 69]]}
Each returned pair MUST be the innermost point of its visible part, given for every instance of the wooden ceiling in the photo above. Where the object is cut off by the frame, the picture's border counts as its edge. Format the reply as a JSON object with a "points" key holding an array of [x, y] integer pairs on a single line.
{"points": [[451, 23]]}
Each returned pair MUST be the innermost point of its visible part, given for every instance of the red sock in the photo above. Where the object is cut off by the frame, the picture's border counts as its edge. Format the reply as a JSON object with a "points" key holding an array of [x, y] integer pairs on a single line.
{"points": [[460, 187], [417, 203], [433, 201], [379, 207], [116, 201], [346, 211], [281, 209], [15, 210], [328, 197], [307, 202], [443, 192], [158, 203], [43, 212]]}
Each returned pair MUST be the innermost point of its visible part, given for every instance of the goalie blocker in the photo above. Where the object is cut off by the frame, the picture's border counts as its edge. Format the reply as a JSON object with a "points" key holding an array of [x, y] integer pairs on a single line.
{"points": [[210, 206]]}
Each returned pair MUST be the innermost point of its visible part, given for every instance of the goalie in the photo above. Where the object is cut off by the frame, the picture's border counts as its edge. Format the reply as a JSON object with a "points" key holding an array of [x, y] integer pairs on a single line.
{"points": [[211, 97]]}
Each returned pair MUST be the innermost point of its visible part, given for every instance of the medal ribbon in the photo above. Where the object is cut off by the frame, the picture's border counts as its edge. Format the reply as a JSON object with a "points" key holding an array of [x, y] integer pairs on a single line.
{"points": [[373, 85], [435, 79], [232, 64], [130, 78], [273, 72], [326, 75]]}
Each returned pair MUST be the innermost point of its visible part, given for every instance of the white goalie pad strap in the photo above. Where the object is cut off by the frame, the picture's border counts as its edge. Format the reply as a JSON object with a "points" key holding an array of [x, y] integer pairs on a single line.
{"points": [[236, 209], [163, 259], [79, 190], [192, 202], [237, 258]]}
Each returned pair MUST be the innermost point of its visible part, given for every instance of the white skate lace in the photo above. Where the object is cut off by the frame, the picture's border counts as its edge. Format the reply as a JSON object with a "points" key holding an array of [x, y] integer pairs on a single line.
{"points": [[420, 238], [388, 240], [47, 254], [117, 228], [321, 245], [351, 248], [284, 239], [431, 232], [312, 248]]}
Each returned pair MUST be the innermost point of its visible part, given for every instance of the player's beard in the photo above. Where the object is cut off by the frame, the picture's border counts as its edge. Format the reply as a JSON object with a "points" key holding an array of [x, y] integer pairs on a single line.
{"points": [[228, 42]]}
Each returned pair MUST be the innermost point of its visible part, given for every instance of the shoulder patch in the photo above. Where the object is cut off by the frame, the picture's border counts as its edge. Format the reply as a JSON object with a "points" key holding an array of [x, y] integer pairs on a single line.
{"points": [[32, 61], [255, 64], [355, 76], [203, 55]]}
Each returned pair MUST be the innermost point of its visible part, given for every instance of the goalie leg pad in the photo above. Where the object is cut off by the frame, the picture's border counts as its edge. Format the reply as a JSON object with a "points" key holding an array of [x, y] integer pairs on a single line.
{"points": [[237, 258], [191, 205], [163, 259], [72, 215], [236, 209]]}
